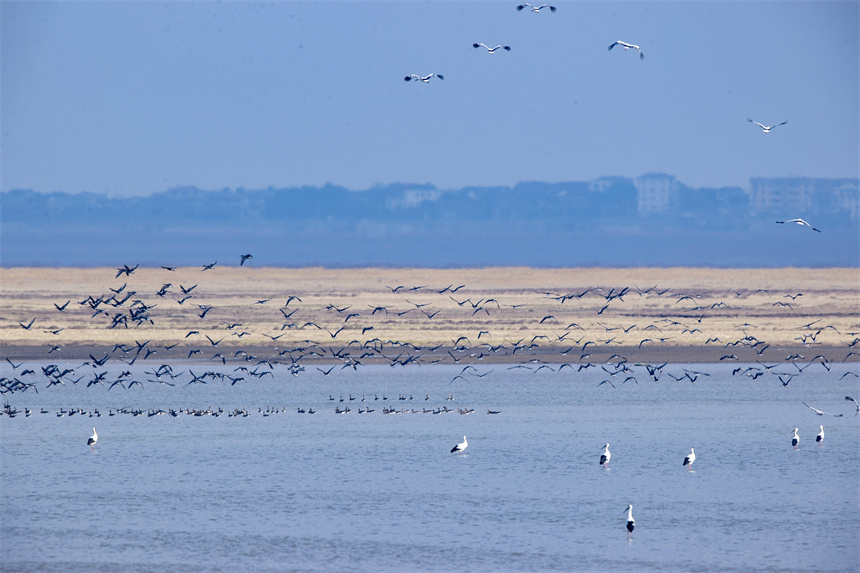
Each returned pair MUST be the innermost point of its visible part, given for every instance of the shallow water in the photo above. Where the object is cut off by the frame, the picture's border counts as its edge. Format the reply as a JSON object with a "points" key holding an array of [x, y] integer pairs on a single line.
{"points": [[376, 492]]}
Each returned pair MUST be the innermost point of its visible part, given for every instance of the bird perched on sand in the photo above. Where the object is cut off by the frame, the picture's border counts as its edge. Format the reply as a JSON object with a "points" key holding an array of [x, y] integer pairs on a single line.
{"points": [[425, 79], [627, 47], [535, 8], [800, 222], [492, 50], [766, 128]]}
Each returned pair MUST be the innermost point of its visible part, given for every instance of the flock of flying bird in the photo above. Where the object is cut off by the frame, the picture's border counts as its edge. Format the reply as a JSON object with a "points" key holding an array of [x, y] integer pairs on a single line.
{"points": [[626, 45], [139, 313]]}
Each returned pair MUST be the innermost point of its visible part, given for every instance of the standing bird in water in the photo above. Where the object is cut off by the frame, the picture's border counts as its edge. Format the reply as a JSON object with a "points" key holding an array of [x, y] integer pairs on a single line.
{"points": [[688, 461], [819, 439], [93, 439], [604, 457], [631, 523], [795, 440], [461, 446]]}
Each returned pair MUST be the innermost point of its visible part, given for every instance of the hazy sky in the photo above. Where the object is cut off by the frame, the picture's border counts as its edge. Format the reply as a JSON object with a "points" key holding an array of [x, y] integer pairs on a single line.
{"points": [[131, 98]]}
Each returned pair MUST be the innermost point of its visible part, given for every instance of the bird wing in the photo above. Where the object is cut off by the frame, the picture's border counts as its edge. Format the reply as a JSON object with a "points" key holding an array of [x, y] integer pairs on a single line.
{"points": [[758, 124]]}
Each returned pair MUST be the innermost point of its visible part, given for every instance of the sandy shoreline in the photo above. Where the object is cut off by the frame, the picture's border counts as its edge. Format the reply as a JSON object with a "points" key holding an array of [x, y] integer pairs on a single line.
{"points": [[500, 315]]}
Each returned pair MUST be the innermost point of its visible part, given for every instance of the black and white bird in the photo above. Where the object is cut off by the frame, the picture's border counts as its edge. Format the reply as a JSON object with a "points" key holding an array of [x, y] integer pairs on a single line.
{"points": [[800, 222], [91, 442], [626, 47], [492, 50], [691, 457], [605, 456], [795, 440], [245, 258], [819, 439], [535, 8], [821, 412], [766, 128], [425, 79], [461, 446], [856, 403], [631, 523]]}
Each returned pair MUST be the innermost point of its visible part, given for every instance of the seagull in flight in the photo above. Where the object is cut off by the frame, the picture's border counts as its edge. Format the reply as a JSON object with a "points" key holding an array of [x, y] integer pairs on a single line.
{"points": [[492, 50], [425, 79], [821, 413], [627, 47], [535, 8], [800, 222], [766, 128]]}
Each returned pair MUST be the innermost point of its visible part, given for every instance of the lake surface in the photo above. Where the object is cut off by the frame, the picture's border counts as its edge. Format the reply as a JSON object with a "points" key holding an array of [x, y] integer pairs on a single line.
{"points": [[382, 492]]}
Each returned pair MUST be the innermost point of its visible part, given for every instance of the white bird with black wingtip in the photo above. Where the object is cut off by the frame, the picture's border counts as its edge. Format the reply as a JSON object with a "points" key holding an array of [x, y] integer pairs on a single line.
{"points": [[461, 446], [688, 461], [604, 457], [819, 439], [91, 442], [795, 440], [626, 47], [492, 50], [766, 128], [631, 523], [425, 79]]}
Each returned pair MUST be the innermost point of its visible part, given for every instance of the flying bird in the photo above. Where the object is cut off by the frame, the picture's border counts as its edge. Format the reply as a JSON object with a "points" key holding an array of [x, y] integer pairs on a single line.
{"points": [[821, 413], [626, 47], [535, 8], [766, 128], [91, 442], [461, 446], [245, 258], [800, 222], [855, 403], [492, 50], [425, 79]]}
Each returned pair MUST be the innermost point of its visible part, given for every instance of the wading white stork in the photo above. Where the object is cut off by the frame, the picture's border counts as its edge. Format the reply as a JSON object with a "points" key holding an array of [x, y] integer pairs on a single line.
{"points": [[604, 457], [461, 446], [688, 461], [631, 523], [91, 442]]}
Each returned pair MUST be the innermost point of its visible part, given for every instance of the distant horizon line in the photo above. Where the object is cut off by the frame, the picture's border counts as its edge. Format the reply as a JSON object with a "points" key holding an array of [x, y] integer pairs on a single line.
{"points": [[650, 174]]}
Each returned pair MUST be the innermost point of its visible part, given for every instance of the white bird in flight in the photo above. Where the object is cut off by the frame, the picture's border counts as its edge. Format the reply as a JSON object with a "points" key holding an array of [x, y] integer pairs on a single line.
{"points": [[856, 403], [536, 8], [800, 222], [627, 47], [820, 412], [425, 79], [492, 50], [766, 128]]}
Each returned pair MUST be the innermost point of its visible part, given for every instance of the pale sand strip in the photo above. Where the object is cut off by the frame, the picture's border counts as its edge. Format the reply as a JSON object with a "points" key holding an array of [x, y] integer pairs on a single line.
{"points": [[496, 306]]}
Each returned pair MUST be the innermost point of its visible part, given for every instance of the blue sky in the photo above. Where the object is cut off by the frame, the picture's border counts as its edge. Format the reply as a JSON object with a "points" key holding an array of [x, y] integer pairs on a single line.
{"points": [[133, 98]]}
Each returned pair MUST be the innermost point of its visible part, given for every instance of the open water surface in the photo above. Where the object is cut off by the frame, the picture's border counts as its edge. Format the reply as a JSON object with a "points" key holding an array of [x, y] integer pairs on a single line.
{"points": [[376, 492]]}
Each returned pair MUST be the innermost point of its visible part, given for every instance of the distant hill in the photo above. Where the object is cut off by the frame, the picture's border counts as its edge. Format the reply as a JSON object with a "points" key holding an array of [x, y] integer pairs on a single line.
{"points": [[653, 220]]}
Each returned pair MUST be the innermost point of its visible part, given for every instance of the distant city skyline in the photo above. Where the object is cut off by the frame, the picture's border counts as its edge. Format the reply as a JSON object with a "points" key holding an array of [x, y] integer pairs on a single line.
{"points": [[135, 98]]}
